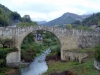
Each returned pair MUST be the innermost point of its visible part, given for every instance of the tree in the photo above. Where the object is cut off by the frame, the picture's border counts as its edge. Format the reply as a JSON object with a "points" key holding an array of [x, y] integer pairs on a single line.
{"points": [[1, 11], [4, 20], [15, 16], [26, 18], [69, 26]]}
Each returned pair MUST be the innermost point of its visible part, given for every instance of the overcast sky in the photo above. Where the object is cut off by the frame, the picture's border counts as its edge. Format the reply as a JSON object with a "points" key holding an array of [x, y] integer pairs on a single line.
{"points": [[40, 10]]}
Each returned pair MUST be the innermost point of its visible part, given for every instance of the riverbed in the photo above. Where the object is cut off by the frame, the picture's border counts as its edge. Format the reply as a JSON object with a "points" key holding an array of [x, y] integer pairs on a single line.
{"points": [[38, 66]]}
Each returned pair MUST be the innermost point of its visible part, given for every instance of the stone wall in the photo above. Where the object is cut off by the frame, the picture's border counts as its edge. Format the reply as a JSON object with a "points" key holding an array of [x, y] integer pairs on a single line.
{"points": [[75, 56], [12, 59], [88, 39]]}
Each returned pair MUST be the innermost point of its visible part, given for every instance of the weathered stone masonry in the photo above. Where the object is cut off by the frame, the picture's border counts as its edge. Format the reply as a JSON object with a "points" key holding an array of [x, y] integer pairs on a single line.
{"points": [[69, 39]]}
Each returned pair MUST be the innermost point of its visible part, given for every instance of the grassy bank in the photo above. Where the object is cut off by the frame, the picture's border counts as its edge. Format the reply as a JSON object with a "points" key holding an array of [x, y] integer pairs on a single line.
{"points": [[76, 68]]}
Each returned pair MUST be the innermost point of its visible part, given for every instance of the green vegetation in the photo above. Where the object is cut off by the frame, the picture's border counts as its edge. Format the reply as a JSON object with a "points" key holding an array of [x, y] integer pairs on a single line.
{"points": [[86, 23], [3, 53], [92, 20], [27, 24], [84, 28], [9, 18], [81, 27], [32, 48], [89, 21], [5, 48], [3, 70], [26, 18], [4, 20], [15, 16], [26, 21], [69, 26], [97, 53], [76, 68], [84, 50]]}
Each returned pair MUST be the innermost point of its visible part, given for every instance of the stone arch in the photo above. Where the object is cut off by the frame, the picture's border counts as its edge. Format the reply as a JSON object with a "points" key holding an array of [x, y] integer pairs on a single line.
{"points": [[24, 34], [22, 38]]}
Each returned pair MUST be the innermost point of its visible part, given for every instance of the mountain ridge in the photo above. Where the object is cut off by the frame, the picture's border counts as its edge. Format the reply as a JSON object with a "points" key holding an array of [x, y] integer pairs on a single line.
{"points": [[66, 18]]}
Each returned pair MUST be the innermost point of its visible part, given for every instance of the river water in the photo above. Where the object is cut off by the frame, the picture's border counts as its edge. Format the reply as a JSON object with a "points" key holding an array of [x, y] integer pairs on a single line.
{"points": [[38, 66]]}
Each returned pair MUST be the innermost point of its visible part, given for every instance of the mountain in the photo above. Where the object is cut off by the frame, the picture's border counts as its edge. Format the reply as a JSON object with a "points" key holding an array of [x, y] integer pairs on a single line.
{"points": [[65, 19], [41, 22]]}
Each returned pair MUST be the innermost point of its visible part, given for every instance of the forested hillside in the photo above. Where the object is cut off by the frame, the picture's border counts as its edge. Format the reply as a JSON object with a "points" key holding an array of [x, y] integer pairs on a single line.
{"points": [[9, 18], [94, 19]]}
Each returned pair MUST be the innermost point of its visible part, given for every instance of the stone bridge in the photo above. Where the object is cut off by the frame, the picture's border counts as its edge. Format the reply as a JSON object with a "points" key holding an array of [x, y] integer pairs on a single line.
{"points": [[69, 38]]}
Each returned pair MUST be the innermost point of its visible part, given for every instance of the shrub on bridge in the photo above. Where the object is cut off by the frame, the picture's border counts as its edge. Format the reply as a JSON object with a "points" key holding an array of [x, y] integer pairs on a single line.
{"points": [[27, 24]]}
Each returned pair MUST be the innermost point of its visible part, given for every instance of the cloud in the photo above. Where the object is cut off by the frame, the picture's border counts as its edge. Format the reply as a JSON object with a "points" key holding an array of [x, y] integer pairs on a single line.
{"points": [[51, 9]]}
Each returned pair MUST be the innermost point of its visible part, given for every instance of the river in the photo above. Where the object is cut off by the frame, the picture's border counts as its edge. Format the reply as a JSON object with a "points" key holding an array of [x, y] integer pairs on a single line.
{"points": [[38, 66]]}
